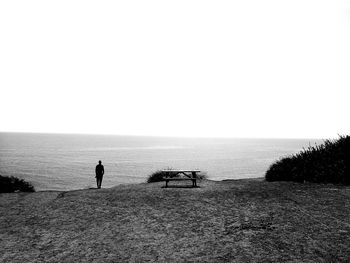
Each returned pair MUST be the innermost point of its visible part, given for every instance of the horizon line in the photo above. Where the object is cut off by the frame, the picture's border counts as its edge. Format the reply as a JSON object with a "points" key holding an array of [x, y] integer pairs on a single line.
{"points": [[172, 136]]}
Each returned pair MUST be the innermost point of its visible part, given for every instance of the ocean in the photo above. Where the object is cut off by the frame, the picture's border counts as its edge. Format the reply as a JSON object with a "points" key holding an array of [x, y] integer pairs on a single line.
{"points": [[67, 161]]}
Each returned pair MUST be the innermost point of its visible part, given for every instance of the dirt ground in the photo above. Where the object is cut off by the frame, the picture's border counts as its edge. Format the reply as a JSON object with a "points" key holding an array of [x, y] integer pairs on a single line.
{"points": [[228, 221]]}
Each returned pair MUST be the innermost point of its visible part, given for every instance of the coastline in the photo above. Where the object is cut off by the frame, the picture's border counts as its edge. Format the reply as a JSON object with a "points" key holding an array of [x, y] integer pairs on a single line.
{"points": [[236, 220]]}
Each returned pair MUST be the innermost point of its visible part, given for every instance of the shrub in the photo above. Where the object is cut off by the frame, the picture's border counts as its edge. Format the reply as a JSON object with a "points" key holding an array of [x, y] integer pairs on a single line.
{"points": [[158, 176], [325, 163], [12, 184], [202, 175]]}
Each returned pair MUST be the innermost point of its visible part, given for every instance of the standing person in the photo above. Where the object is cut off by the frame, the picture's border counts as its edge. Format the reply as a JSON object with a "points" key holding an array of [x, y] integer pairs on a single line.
{"points": [[99, 174]]}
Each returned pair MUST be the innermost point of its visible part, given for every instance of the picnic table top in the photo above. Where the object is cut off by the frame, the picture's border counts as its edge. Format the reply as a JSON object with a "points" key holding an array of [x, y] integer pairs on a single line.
{"points": [[181, 171], [178, 178]]}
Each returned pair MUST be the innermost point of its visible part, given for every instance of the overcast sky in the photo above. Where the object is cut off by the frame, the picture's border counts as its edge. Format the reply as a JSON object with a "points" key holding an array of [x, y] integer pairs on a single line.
{"points": [[176, 68]]}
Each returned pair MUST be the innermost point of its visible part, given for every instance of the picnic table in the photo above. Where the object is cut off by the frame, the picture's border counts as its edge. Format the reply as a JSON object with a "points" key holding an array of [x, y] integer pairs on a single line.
{"points": [[173, 175]]}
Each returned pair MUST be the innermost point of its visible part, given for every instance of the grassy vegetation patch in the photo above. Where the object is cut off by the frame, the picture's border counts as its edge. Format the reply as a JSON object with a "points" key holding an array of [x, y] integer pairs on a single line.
{"points": [[10, 184], [158, 176], [325, 163]]}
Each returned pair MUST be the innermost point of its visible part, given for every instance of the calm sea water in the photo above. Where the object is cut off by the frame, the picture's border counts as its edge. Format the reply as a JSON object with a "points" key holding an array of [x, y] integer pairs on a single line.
{"points": [[66, 162]]}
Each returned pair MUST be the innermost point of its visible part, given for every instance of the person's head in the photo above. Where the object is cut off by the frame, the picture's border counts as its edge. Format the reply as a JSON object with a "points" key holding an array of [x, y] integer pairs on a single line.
{"points": [[99, 161]]}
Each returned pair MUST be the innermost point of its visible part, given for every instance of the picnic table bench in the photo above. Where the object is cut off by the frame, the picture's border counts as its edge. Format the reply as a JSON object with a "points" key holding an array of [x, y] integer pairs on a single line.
{"points": [[171, 175]]}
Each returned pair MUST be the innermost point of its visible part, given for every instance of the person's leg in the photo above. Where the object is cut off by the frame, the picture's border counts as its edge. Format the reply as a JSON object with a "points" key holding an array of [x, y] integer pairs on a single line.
{"points": [[100, 182]]}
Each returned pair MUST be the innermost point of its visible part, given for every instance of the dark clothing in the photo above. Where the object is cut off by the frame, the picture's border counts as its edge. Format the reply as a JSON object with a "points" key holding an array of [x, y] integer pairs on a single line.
{"points": [[99, 170], [99, 174]]}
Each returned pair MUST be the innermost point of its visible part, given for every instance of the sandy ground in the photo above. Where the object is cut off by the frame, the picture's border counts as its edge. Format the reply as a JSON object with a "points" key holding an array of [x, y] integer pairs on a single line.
{"points": [[228, 221]]}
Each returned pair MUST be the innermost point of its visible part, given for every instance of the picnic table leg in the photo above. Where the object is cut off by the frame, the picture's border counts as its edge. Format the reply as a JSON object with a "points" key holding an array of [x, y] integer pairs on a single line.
{"points": [[194, 180], [166, 181]]}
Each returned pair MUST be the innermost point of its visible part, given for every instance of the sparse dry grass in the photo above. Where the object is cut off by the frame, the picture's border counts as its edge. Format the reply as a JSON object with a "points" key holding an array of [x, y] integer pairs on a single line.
{"points": [[243, 220]]}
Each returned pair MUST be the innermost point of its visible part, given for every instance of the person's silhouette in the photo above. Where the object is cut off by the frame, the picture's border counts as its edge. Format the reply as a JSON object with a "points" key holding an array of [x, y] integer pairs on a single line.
{"points": [[99, 173]]}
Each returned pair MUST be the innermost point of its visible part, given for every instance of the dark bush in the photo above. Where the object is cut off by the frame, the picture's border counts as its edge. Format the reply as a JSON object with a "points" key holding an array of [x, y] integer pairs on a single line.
{"points": [[13, 184], [159, 175], [325, 163]]}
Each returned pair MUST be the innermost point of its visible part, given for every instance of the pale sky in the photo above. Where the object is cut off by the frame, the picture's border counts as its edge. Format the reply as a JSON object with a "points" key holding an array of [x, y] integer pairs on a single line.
{"points": [[249, 68]]}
